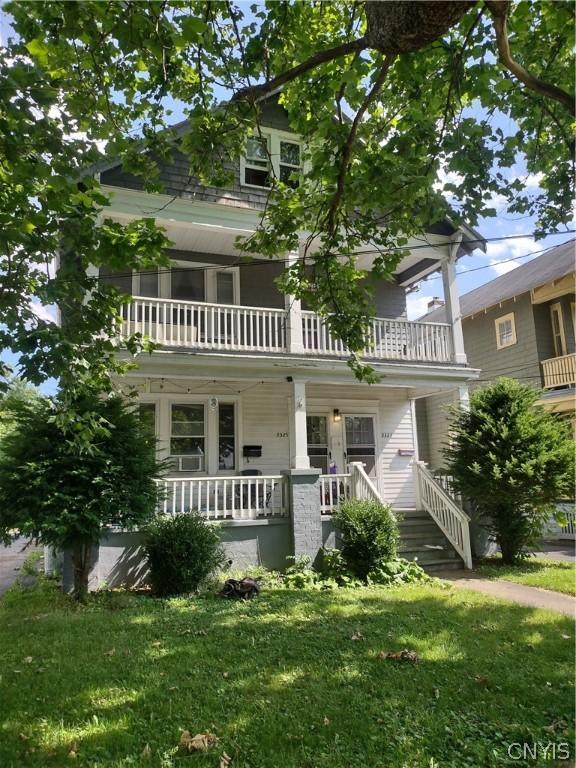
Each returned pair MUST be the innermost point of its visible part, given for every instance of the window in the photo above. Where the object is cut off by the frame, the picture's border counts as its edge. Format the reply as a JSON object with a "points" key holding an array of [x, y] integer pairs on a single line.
{"points": [[188, 283], [226, 436], [360, 443], [271, 155], [558, 330], [225, 288], [120, 279], [188, 437], [317, 430], [505, 331], [147, 416], [148, 283]]}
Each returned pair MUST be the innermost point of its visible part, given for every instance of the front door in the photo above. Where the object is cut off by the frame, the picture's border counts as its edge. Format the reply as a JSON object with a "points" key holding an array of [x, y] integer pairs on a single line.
{"points": [[359, 442]]}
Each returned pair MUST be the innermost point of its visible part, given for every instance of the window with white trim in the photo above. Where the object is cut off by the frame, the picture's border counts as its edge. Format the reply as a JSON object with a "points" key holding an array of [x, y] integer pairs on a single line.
{"points": [[271, 155], [226, 436], [505, 331], [188, 436]]}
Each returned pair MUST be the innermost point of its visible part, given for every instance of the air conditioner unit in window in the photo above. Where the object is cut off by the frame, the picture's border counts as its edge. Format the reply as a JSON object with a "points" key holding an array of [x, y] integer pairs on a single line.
{"points": [[188, 463]]}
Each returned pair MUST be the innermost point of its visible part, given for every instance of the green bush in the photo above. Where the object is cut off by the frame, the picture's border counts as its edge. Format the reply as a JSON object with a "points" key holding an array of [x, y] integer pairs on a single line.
{"points": [[182, 551], [369, 534], [397, 571]]}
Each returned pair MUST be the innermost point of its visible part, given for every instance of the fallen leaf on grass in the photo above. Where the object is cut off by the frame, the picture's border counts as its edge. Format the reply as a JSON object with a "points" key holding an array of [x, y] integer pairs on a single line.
{"points": [[411, 657], [23, 737], [157, 643], [225, 760], [481, 680], [28, 660], [566, 637], [73, 749], [326, 721], [558, 725], [111, 652], [436, 693], [357, 636], [225, 674], [146, 752], [199, 743]]}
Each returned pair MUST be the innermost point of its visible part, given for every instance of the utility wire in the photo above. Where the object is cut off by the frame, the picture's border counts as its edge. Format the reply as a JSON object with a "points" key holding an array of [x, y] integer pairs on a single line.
{"points": [[267, 262]]}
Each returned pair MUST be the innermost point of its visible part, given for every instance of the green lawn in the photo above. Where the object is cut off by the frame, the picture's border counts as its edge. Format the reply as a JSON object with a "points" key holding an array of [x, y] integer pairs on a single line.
{"points": [[290, 680], [535, 572]]}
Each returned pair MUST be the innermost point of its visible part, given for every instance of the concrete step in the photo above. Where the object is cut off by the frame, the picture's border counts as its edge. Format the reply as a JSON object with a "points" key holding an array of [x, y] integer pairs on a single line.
{"points": [[443, 565], [422, 539]]}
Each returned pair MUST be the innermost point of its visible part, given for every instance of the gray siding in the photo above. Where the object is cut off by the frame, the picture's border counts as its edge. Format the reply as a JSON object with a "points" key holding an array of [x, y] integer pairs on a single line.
{"points": [[543, 324], [176, 180], [517, 361]]}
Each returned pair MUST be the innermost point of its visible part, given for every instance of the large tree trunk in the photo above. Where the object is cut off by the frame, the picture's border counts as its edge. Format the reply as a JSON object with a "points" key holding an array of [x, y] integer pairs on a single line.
{"points": [[82, 561], [404, 26]]}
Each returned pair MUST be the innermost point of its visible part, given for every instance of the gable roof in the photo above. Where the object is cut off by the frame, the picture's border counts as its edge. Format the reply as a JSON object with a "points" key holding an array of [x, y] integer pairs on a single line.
{"points": [[552, 265]]}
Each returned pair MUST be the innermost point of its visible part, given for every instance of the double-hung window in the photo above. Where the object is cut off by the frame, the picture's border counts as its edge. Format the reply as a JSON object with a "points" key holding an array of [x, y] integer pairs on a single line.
{"points": [[188, 437], [505, 331], [271, 155]]}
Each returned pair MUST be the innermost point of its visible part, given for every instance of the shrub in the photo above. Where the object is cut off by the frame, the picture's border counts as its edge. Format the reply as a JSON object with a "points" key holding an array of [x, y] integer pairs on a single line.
{"points": [[182, 551], [513, 460], [369, 533], [397, 571]]}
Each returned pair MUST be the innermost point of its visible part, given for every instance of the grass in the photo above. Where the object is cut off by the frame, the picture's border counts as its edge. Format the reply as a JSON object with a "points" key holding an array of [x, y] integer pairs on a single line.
{"points": [[280, 680], [534, 572]]}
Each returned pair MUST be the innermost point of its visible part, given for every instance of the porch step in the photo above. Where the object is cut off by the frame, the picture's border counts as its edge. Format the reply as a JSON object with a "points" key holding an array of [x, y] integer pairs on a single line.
{"points": [[421, 539]]}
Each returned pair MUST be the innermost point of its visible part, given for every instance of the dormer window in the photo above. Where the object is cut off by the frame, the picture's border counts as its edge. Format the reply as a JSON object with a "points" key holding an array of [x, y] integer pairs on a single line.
{"points": [[270, 155]]}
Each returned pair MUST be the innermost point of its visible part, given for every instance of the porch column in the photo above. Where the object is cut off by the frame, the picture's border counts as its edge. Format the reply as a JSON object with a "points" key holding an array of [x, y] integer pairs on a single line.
{"points": [[294, 338], [464, 397], [305, 515], [452, 302], [298, 438]]}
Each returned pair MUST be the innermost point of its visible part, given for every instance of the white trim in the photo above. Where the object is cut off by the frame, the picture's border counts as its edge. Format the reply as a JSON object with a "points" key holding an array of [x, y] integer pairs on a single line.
{"points": [[557, 307], [499, 321], [273, 138]]}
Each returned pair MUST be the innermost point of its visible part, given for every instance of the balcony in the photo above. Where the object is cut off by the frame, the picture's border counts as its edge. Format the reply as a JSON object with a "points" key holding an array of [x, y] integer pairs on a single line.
{"points": [[225, 327], [559, 371]]}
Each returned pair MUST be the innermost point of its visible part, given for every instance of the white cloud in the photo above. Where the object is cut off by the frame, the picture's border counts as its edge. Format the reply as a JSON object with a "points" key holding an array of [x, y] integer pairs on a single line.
{"points": [[43, 312], [506, 255], [417, 305]]}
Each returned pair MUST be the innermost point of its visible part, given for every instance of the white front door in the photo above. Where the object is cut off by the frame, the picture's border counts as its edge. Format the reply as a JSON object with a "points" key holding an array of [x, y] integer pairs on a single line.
{"points": [[359, 442]]}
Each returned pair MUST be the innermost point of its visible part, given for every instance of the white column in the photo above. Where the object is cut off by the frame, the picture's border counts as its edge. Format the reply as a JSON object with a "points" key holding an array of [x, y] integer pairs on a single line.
{"points": [[294, 340], [298, 438], [464, 397], [453, 302]]}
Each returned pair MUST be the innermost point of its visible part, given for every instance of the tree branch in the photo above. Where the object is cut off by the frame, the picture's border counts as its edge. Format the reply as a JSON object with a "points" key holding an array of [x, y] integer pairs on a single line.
{"points": [[347, 148], [499, 10], [258, 91]]}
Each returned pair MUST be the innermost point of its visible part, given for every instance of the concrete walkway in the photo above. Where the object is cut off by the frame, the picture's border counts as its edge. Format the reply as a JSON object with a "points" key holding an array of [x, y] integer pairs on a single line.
{"points": [[534, 597]]}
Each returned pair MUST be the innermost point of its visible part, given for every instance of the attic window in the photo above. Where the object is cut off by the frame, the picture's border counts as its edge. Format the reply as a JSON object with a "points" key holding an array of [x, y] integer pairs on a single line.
{"points": [[505, 331], [270, 155]]}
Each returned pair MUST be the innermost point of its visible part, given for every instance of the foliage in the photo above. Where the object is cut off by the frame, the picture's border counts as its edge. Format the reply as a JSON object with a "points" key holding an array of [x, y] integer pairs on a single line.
{"points": [[16, 392], [543, 572], [301, 575], [106, 683], [397, 571], [434, 112], [369, 534], [513, 460], [334, 566], [182, 551], [65, 497]]}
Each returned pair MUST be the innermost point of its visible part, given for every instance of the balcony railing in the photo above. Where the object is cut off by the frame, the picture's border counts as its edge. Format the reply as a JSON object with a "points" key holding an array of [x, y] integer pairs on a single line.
{"points": [[200, 325], [559, 371]]}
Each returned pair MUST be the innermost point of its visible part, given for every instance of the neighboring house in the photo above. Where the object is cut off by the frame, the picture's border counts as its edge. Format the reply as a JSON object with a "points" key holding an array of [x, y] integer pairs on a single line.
{"points": [[249, 394], [520, 325]]}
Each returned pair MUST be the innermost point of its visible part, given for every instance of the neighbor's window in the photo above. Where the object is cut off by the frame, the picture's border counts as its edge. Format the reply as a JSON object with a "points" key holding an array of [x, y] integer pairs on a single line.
{"points": [[188, 436], [226, 436], [505, 331], [271, 155], [147, 416], [121, 279]]}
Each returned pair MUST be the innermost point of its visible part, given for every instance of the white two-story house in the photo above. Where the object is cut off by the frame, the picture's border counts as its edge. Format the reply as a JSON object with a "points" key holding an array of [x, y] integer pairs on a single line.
{"points": [[248, 392]]}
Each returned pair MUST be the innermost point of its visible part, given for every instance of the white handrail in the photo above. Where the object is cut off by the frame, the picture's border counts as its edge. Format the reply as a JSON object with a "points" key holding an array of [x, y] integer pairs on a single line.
{"points": [[443, 509], [362, 485], [333, 490], [559, 371], [387, 339], [226, 497]]}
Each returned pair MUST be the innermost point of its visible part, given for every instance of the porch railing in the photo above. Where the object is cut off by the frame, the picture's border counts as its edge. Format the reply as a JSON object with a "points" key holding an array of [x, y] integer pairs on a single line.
{"points": [[221, 498], [559, 371], [334, 489], [362, 485], [452, 520], [201, 325], [387, 340], [205, 326]]}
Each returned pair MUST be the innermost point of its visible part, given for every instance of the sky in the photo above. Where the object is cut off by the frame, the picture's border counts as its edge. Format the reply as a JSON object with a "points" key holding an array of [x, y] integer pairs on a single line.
{"points": [[501, 256]]}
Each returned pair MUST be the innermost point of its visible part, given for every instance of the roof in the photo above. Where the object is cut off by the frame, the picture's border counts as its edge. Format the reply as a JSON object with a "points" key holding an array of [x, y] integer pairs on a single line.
{"points": [[552, 265]]}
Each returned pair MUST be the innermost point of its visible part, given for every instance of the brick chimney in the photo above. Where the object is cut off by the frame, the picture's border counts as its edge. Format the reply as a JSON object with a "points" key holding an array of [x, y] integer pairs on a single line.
{"points": [[435, 303]]}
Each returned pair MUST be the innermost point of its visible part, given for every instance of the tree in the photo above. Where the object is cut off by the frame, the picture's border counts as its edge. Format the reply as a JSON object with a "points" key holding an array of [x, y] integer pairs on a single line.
{"points": [[66, 492], [17, 392], [399, 105], [513, 460]]}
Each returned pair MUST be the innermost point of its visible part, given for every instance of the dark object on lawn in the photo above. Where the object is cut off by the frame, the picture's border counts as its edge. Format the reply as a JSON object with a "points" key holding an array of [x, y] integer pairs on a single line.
{"points": [[243, 589], [405, 655]]}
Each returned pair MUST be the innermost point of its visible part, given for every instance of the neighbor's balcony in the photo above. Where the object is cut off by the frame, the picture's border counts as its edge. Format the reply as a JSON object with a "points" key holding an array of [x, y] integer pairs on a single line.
{"points": [[559, 371], [224, 327]]}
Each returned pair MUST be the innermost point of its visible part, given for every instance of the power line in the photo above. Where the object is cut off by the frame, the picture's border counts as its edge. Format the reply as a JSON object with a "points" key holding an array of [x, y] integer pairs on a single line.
{"points": [[261, 262]]}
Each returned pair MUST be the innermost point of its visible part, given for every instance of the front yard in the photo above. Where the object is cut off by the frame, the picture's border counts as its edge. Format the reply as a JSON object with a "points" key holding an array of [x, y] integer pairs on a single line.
{"points": [[534, 572], [294, 679]]}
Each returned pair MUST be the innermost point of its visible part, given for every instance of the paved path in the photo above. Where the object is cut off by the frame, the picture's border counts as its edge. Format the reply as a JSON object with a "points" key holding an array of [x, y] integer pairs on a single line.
{"points": [[535, 597], [559, 550], [11, 559]]}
